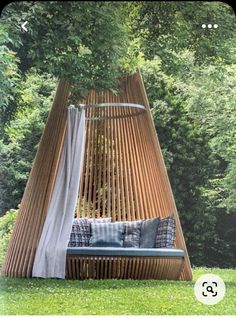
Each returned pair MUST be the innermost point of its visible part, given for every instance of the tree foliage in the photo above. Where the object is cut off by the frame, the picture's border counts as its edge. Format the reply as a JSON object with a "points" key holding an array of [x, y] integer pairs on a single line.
{"points": [[81, 42], [6, 227], [21, 137], [9, 78], [165, 26], [186, 153]]}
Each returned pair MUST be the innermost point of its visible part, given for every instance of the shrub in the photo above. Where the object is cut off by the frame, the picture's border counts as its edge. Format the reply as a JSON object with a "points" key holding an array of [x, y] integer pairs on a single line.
{"points": [[6, 226]]}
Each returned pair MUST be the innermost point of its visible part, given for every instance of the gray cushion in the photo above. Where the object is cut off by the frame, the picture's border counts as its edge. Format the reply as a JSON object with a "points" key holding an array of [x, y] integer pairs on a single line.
{"points": [[149, 233], [166, 233], [107, 234], [132, 233], [81, 231], [124, 251]]}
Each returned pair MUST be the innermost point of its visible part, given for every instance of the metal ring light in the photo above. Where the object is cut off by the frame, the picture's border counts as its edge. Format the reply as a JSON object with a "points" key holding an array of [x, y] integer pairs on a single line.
{"points": [[140, 110]]}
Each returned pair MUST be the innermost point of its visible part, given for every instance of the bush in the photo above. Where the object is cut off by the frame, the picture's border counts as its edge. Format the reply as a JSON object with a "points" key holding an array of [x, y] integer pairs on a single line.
{"points": [[6, 227], [21, 137]]}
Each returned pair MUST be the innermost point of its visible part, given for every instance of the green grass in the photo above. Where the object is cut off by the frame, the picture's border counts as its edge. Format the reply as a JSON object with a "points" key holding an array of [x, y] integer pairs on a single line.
{"points": [[112, 297]]}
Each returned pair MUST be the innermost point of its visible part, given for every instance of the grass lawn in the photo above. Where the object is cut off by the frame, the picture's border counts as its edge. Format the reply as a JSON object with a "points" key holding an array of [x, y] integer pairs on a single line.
{"points": [[112, 297]]}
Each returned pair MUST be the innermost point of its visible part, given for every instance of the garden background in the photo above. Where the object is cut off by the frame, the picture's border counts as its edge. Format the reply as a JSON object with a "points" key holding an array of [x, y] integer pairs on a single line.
{"points": [[189, 74]]}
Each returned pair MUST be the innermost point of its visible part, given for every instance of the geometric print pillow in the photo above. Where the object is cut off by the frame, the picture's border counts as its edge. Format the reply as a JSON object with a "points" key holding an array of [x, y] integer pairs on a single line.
{"points": [[166, 232], [81, 231]]}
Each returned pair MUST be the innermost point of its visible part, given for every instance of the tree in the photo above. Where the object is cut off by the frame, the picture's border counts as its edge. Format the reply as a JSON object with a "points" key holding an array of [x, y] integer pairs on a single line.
{"points": [[81, 42], [9, 79], [21, 137], [209, 92], [167, 27], [187, 155]]}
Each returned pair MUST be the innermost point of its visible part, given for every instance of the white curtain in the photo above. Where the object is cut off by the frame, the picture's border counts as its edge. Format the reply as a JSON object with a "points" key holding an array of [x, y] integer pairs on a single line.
{"points": [[50, 258]]}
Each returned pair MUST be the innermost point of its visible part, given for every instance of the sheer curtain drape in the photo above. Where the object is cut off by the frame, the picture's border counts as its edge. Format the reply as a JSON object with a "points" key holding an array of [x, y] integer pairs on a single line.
{"points": [[50, 258]]}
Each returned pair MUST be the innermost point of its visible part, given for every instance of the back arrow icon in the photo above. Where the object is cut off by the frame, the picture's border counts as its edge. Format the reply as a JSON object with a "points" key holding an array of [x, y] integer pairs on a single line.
{"points": [[23, 26]]}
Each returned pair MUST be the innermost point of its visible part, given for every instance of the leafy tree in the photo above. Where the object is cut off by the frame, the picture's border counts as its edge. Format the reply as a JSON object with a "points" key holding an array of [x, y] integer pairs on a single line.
{"points": [[195, 116], [230, 183], [209, 93], [166, 26], [6, 227], [81, 42], [186, 153], [22, 135], [9, 78]]}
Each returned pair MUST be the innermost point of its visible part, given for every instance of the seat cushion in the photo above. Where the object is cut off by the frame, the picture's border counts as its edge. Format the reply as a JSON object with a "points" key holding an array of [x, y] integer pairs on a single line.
{"points": [[107, 234], [125, 251], [149, 233]]}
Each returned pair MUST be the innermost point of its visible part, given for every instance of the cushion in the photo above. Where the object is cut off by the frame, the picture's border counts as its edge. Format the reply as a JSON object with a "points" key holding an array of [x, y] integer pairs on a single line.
{"points": [[149, 233], [107, 234], [132, 232], [81, 231], [124, 251], [166, 232]]}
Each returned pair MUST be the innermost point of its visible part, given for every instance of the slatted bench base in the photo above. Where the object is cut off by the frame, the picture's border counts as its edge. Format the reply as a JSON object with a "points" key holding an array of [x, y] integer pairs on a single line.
{"points": [[107, 267]]}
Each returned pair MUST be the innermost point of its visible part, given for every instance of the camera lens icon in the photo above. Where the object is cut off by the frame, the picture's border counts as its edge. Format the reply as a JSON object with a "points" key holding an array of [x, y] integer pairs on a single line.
{"points": [[209, 289]]}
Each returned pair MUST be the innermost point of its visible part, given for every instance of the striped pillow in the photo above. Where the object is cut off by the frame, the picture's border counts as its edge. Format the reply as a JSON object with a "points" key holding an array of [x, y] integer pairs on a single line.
{"points": [[107, 234], [132, 234], [81, 231], [166, 233]]}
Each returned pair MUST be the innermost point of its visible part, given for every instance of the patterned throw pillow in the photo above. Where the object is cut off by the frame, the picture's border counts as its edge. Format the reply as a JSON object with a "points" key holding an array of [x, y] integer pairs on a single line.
{"points": [[107, 234], [132, 234], [81, 231], [166, 233]]}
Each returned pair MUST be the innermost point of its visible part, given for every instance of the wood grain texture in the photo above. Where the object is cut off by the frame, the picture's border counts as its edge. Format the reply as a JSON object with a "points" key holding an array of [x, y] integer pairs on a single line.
{"points": [[124, 176]]}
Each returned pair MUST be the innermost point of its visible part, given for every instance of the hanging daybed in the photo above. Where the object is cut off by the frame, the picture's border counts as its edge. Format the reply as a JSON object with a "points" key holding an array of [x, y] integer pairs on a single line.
{"points": [[123, 177]]}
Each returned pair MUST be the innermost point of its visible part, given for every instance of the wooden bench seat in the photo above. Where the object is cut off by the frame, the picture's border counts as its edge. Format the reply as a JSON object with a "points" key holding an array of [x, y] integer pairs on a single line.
{"points": [[124, 263]]}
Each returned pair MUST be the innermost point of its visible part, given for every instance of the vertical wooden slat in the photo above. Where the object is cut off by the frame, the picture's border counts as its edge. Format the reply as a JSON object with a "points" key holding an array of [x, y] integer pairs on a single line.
{"points": [[95, 167], [119, 167], [91, 163], [109, 156], [126, 191], [100, 123], [104, 166]]}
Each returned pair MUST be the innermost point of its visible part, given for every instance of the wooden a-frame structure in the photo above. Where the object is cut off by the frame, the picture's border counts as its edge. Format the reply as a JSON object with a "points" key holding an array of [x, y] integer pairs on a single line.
{"points": [[124, 176]]}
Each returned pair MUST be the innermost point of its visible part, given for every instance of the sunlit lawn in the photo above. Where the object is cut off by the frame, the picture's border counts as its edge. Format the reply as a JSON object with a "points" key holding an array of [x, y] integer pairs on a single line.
{"points": [[112, 297]]}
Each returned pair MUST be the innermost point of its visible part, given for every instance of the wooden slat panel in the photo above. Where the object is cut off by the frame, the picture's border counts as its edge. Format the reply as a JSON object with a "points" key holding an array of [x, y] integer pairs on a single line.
{"points": [[33, 208], [129, 267]]}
